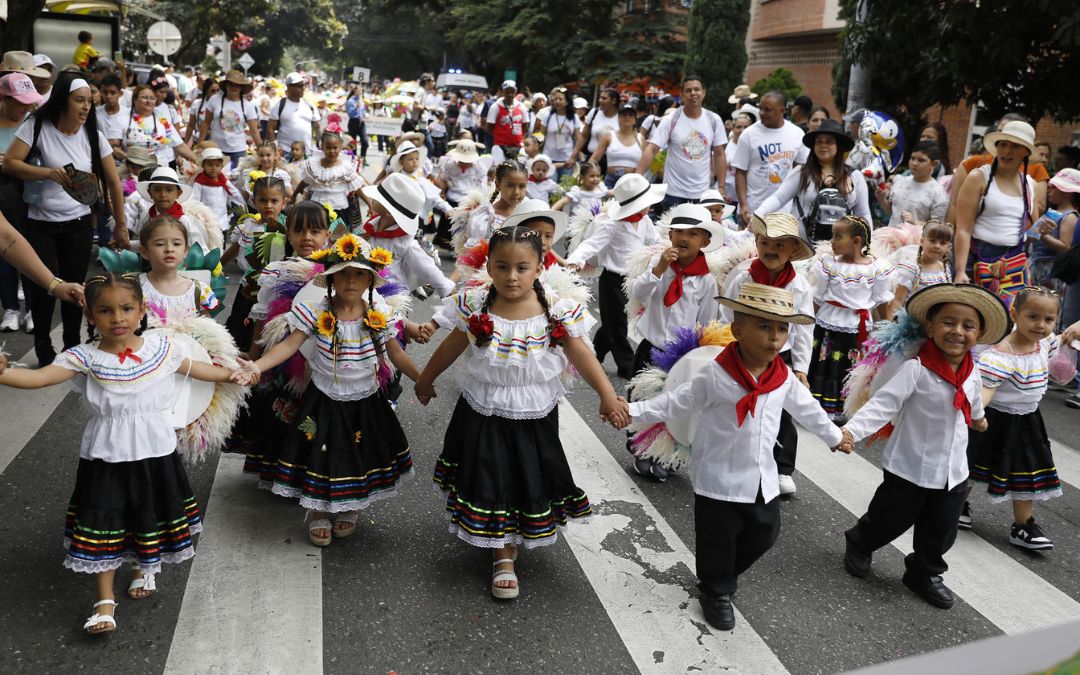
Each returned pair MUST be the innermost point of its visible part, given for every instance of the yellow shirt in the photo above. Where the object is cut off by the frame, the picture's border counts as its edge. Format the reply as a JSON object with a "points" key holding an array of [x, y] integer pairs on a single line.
{"points": [[83, 53]]}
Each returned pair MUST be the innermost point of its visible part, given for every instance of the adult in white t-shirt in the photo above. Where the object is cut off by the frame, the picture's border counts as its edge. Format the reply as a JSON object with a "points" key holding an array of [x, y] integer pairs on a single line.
{"points": [[230, 119], [559, 125], [695, 140], [292, 118], [597, 121], [768, 150]]}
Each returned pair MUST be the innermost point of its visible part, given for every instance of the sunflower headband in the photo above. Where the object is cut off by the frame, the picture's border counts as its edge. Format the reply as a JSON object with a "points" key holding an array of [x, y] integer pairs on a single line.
{"points": [[350, 248]]}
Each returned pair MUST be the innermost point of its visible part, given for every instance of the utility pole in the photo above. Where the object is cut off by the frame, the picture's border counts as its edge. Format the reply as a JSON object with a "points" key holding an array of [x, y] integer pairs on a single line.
{"points": [[859, 78]]}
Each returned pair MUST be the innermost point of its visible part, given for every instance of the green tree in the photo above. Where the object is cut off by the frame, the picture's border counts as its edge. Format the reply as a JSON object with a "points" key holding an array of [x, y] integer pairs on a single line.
{"points": [[716, 47], [780, 79], [15, 32]]}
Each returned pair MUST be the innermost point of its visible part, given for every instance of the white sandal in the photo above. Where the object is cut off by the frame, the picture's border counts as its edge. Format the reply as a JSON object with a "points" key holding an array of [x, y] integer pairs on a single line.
{"points": [[504, 575], [101, 618], [144, 583], [320, 524], [348, 517]]}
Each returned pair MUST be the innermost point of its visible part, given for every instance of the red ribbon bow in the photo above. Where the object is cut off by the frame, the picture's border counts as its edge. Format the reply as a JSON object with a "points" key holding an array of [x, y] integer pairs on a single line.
{"points": [[126, 354], [481, 326], [369, 230], [697, 268], [773, 377], [558, 335], [864, 318], [934, 361]]}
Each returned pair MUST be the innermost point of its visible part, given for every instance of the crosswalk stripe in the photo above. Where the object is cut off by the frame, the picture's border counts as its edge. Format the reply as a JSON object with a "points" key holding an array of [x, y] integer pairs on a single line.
{"points": [[1067, 462], [31, 407], [645, 583], [253, 600], [1008, 594]]}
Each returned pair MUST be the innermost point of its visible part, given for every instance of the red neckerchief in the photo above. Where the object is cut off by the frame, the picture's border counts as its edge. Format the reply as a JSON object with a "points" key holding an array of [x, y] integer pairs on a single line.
{"points": [[175, 211], [864, 318], [550, 260], [369, 230], [203, 179], [634, 218], [771, 380], [128, 354], [534, 179], [933, 360], [697, 268], [761, 274]]}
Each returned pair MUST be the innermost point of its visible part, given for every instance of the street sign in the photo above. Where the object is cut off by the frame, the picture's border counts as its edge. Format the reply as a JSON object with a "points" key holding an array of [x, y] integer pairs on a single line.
{"points": [[361, 75], [246, 62], [163, 38], [383, 126]]}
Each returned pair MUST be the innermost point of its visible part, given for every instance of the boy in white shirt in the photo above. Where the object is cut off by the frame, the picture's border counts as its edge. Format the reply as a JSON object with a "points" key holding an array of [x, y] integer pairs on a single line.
{"points": [[541, 186], [740, 397], [213, 188], [619, 232], [778, 245], [931, 400]]}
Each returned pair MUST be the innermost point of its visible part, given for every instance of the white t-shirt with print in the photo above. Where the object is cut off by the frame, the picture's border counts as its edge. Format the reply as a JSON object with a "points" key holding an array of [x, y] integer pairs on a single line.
{"points": [[294, 123], [688, 167], [558, 133], [229, 126], [924, 200], [57, 150], [768, 155]]}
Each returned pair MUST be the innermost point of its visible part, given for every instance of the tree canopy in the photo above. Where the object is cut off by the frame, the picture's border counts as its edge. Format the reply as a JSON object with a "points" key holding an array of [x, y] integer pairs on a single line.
{"points": [[716, 47], [780, 79]]}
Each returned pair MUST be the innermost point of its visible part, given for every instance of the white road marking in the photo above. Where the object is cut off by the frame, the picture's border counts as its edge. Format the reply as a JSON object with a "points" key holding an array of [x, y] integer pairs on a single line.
{"points": [[27, 409], [1067, 462], [253, 600], [660, 623], [1011, 596]]}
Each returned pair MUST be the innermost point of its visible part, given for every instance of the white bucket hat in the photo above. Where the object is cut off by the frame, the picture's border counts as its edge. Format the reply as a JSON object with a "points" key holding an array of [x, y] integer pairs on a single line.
{"points": [[541, 158], [403, 149], [538, 208], [690, 216], [163, 176], [402, 197], [633, 193], [465, 151], [1016, 131]]}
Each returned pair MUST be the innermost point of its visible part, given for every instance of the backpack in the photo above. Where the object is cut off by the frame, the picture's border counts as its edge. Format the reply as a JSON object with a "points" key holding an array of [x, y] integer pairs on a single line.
{"points": [[243, 110], [829, 206], [281, 107], [713, 118]]}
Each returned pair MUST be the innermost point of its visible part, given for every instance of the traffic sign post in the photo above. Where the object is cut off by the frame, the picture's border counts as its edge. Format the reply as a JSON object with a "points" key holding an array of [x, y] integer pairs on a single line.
{"points": [[245, 62], [361, 75], [163, 38]]}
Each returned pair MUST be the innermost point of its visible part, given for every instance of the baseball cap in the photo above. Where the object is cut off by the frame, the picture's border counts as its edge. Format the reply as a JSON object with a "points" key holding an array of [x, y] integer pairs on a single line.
{"points": [[21, 88], [509, 84], [580, 102], [295, 78], [104, 62], [43, 60]]}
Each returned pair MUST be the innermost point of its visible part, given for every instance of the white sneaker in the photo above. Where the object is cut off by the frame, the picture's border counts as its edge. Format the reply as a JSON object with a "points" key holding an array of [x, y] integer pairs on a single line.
{"points": [[787, 485], [10, 323], [29, 324]]}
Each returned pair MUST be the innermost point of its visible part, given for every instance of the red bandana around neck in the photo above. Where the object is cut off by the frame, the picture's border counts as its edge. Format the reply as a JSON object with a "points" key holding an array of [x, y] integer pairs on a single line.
{"points": [[175, 211], [203, 179], [770, 380], [933, 360], [697, 268], [761, 274], [550, 260], [634, 218], [369, 230], [534, 179]]}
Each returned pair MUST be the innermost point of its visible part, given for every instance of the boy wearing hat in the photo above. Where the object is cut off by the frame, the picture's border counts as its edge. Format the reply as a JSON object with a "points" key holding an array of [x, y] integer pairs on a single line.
{"points": [[213, 189], [778, 245], [740, 397], [541, 186], [617, 233], [931, 400], [166, 194], [137, 160], [396, 206]]}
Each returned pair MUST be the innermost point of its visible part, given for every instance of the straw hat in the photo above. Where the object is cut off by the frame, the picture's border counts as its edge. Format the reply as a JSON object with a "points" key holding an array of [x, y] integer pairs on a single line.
{"points": [[633, 193], [465, 151], [163, 176], [22, 62], [351, 251], [995, 319], [405, 148], [690, 216], [538, 208], [1016, 131], [714, 198], [776, 225], [541, 158], [742, 91], [1066, 180], [234, 76], [402, 197], [767, 302], [140, 156]]}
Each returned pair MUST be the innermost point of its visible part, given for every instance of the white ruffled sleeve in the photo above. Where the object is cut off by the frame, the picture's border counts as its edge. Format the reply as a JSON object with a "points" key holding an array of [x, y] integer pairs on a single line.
{"points": [[457, 308], [76, 359], [574, 316]]}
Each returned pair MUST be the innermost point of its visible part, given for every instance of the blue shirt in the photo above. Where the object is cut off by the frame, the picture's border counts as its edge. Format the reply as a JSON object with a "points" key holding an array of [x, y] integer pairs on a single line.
{"points": [[355, 108]]}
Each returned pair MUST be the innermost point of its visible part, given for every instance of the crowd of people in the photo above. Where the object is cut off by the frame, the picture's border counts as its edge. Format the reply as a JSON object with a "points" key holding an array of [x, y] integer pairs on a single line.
{"points": [[746, 233]]}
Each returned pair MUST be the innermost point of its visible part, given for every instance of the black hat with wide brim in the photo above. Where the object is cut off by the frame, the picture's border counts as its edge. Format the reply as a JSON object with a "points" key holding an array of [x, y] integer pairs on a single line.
{"points": [[844, 143]]}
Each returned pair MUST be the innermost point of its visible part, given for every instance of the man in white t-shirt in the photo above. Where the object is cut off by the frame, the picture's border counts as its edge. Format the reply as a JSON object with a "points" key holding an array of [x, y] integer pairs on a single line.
{"points": [[767, 151], [112, 118], [292, 118], [695, 139]]}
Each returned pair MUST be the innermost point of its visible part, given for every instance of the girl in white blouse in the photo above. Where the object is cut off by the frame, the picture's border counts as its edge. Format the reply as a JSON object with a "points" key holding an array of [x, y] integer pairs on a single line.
{"points": [[330, 179], [132, 500], [169, 295], [503, 469]]}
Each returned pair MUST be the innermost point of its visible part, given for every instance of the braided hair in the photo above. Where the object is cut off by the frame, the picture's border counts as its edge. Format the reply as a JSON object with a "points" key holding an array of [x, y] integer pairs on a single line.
{"points": [[863, 230], [516, 234], [503, 170], [273, 146], [92, 291], [380, 351], [1027, 292]]}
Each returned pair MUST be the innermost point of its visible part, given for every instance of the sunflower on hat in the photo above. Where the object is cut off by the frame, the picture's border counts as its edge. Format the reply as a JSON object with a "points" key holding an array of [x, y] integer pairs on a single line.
{"points": [[351, 251]]}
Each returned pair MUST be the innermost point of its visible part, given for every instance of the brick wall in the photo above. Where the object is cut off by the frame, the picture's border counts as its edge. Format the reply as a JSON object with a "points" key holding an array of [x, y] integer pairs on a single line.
{"points": [[774, 18], [810, 58]]}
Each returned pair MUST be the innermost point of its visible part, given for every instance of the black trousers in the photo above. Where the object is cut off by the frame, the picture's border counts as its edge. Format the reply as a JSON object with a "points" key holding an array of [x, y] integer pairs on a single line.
{"points": [[357, 129], [787, 439], [731, 536], [442, 232], [64, 247], [899, 504], [611, 336]]}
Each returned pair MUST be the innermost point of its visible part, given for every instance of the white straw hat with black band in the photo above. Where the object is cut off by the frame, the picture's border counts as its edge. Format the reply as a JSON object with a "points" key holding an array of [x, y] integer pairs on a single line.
{"points": [[634, 193], [713, 198], [690, 216], [402, 197], [767, 302], [405, 148], [531, 209], [163, 176]]}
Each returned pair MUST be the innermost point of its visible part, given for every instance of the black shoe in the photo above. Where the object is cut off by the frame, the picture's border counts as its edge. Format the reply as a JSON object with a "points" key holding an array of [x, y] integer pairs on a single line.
{"points": [[1030, 536], [966, 519], [856, 562], [650, 469], [930, 589], [45, 353], [718, 611]]}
